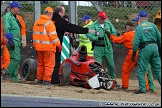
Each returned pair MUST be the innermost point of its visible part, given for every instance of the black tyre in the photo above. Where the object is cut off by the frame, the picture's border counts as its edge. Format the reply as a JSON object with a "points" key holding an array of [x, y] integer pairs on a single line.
{"points": [[65, 75], [29, 70]]}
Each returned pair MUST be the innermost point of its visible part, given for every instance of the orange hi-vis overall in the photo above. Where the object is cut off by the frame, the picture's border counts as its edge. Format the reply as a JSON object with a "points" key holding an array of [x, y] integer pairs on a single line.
{"points": [[6, 54], [23, 26], [2, 34], [127, 39], [5, 59], [45, 40]]}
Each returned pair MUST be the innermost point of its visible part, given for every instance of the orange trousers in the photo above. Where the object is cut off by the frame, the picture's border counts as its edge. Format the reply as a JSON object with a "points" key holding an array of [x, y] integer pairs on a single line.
{"points": [[6, 57], [46, 63], [127, 67]]}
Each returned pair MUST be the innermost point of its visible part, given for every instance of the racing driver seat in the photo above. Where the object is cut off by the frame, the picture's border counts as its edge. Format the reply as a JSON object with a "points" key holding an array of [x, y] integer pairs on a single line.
{"points": [[82, 56]]}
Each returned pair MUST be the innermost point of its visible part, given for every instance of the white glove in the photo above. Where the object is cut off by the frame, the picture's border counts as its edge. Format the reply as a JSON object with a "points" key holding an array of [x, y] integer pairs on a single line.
{"points": [[23, 41]]}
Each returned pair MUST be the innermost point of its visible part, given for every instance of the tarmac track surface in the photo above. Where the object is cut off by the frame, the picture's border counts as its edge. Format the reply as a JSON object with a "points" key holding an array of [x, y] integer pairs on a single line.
{"points": [[37, 101]]}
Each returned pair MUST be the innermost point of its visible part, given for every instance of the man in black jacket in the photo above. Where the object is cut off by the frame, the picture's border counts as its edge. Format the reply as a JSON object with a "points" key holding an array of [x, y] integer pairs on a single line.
{"points": [[61, 26]]}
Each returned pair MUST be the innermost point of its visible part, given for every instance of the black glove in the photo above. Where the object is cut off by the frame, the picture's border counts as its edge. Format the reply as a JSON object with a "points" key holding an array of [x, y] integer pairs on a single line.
{"points": [[100, 38], [108, 33], [12, 45], [133, 56], [92, 46]]}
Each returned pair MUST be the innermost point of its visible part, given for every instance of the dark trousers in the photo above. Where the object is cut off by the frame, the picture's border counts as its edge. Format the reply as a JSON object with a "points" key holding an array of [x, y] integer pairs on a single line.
{"points": [[54, 79]]}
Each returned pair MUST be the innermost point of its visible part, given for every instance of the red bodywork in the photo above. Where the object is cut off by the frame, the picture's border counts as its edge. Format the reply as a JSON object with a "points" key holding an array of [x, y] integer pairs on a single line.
{"points": [[80, 71]]}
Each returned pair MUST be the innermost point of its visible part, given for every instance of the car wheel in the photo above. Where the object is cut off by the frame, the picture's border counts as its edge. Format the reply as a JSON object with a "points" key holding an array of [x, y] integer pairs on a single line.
{"points": [[29, 70], [65, 75]]}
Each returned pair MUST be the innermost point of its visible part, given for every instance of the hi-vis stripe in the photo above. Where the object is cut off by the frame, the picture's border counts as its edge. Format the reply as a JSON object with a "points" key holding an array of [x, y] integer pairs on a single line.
{"points": [[45, 33], [65, 53], [85, 41], [46, 42], [147, 27]]}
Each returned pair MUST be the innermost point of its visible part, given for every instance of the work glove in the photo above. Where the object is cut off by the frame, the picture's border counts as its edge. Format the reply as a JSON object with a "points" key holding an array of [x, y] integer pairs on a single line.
{"points": [[23, 41], [133, 56], [10, 40], [100, 38], [108, 33], [59, 48]]}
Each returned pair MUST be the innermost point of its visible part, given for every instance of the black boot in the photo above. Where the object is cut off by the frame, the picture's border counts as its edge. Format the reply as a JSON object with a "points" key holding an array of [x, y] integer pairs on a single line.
{"points": [[138, 92], [6, 76], [116, 84], [39, 81], [124, 89], [46, 83]]}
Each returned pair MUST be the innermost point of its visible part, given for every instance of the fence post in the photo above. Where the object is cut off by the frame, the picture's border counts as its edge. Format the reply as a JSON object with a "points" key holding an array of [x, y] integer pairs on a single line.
{"points": [[72, 12], [4, 6], [37, 10], [72, 6]]}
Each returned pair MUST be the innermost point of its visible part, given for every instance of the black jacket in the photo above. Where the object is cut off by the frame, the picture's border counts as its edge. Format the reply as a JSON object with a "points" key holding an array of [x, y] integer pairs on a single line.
{"points": [[62, 25]]}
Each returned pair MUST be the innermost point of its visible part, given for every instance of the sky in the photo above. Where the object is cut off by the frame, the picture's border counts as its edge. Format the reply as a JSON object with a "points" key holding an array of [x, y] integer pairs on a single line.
{"points": [[82, 3]]}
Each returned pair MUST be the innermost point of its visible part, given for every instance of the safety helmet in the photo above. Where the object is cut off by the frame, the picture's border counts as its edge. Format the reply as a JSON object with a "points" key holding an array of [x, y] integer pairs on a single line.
{"points": [[158, 15], [102, 14], [49, 9]]}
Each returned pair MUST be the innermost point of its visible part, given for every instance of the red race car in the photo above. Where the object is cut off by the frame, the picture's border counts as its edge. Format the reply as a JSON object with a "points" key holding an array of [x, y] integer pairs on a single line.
{"points": [[78, 70], [82, 70]]}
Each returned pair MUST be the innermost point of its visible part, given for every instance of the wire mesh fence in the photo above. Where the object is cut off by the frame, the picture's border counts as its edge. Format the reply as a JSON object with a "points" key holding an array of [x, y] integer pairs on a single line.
{"points": [[118, 11], [121, 11]]}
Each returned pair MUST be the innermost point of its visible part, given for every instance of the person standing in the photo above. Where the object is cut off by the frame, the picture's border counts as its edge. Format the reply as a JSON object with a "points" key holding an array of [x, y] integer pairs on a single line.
{"points": [[102, 45], [148, 74], [45, 41], [6, 55], [4, 41], [147, 38], [12, 30], [61, 26], [127, 38], [83, 40]]}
